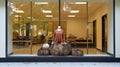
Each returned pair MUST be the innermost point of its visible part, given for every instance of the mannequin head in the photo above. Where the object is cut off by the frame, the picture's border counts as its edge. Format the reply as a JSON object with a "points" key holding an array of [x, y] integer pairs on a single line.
{"points": [[59, 28]]}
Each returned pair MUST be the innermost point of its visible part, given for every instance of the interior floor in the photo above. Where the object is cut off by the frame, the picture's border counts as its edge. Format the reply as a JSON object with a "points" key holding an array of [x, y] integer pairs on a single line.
{"points": [[27, 50]]}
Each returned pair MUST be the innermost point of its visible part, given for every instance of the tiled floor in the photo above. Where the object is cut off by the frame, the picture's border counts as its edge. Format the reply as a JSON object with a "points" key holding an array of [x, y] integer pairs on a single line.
{"points": [[37, 46]]}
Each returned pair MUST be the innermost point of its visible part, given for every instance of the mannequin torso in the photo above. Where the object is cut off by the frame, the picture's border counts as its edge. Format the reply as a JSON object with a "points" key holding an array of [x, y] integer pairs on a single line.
{"points": [[58, 36]]}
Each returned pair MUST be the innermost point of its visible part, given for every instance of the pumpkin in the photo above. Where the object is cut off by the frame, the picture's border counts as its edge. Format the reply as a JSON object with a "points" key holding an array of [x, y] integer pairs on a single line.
{"points": [[77, 52], [43, 52], [60, 50]]}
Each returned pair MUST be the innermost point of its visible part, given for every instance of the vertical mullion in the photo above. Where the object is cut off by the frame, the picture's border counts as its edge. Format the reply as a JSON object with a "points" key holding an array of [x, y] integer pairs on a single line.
{"points": [[114, 44], [87, 26], [59, 13], [31, 26]]}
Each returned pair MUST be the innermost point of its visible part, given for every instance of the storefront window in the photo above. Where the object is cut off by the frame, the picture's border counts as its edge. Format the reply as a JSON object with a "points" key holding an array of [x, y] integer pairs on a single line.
{"points": [[86, 28]]}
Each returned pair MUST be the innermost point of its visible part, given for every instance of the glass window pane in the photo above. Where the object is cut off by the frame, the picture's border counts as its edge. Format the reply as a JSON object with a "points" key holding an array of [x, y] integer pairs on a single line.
{"points": [[20, 42], [74, 19], [45, 21], [87, 26], [99, 26]]}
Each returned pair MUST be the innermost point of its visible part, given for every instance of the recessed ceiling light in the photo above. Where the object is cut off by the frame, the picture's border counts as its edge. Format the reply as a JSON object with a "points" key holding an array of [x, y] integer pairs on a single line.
{"points": [[38, 3], [71, 16], [48, 15], [30, 17], [46, 11], [74, 11], [80, 2], [19, 11], [17, 16]]}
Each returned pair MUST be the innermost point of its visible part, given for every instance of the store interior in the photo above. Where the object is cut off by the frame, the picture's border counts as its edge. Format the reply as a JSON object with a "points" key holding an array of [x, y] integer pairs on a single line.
{"points": [[86, 26]]}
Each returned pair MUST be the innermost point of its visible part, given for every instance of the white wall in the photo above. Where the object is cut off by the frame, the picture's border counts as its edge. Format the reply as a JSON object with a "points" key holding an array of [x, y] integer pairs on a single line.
{"points": [[2, 29], [97, 15], [117, 27], [77, 27]]}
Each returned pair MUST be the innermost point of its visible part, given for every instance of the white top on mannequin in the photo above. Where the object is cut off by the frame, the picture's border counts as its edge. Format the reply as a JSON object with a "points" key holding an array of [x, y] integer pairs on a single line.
{"points": [[59, 28]]}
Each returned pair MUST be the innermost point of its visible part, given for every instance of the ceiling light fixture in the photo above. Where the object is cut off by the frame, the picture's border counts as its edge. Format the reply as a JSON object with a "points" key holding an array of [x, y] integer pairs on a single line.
{"points": [[71, 16], [46, 11], [48, 15], [38, 3], [74, 11], [80, 2], [30, 17], [19, 11], [17, 16]]}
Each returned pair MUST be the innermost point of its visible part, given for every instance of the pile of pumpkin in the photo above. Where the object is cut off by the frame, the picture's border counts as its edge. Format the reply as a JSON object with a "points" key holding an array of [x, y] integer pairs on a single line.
{"points": [[58, 50]]}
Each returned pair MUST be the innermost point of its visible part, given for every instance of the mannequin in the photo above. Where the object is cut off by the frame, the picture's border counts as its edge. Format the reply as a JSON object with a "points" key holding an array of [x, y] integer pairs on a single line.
{"points": [[58, 36], [59, 47]]}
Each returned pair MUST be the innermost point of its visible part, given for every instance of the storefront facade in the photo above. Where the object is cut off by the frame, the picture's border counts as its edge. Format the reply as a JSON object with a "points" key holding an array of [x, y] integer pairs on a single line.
{"points": [[96, 26]]}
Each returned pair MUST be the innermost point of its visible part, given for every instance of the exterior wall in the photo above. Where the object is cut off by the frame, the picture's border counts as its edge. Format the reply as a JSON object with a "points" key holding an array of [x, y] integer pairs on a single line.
{"points": [[2, 29], [117, 28]]}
